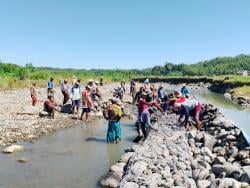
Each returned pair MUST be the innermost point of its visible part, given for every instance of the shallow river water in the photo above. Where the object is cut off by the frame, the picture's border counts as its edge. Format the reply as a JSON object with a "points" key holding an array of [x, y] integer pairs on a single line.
{"points": [[79, 156], [74, 157], [239, 115]]}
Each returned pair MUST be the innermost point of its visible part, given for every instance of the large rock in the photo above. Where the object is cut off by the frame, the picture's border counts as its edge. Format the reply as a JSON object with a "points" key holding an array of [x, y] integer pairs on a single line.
{"points": [[230, 182], [246, 174], [223, 122], [209, 141], [227, 96], [138, 168], [191, 183], [126, 156], [111, 179], [219, 150], [227, 168], [207, 152], [219, 160], [43, 114], [203, 183], [118, 167], [13, 148]]}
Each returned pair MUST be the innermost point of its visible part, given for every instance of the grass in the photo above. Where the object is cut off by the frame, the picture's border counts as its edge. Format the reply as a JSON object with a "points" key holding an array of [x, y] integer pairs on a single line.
{"points": [[11, 83], [242, 91]]}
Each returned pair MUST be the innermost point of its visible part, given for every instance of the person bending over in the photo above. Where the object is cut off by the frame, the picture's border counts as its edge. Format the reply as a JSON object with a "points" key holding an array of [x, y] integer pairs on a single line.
{"points": [[190, 108]]}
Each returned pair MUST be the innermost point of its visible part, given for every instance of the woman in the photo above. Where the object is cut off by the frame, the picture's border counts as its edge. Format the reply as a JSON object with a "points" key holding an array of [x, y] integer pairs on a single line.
{"points": [[113, 114]]}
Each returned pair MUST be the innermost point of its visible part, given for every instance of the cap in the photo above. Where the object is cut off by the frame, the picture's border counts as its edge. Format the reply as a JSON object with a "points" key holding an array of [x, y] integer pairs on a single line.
{"points": [[146, 81]]}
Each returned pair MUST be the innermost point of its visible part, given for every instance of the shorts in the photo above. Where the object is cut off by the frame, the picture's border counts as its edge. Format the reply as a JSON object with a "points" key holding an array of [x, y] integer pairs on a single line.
{"points": [[86, 110], [76, 103]]}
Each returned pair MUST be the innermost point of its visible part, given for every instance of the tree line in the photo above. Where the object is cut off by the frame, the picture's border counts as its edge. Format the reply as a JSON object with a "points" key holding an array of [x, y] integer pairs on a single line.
{"points": [[213, 67]]}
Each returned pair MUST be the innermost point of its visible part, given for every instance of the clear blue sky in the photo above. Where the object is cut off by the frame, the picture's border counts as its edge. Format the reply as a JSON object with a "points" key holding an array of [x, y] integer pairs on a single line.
{"points": [[121, 33]]}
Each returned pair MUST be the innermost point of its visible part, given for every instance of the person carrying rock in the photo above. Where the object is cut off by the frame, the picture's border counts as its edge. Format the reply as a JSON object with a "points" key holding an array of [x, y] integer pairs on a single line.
{"points": [[49, 105], [33, 94], [86, 103], [113, 113], [190, 108]]}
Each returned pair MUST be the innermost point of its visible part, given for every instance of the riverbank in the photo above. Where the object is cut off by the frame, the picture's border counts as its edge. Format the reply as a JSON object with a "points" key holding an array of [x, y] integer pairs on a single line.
{"points": [[20, 121], [218, 156]]}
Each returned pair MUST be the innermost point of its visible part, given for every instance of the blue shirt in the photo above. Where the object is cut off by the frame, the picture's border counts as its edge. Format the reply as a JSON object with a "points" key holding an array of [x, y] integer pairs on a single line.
{"points": [[184, 91], [50, 85]]}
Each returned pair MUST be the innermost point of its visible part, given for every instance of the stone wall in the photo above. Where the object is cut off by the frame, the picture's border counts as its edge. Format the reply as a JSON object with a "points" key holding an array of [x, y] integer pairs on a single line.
{"points": [[217, 156]]}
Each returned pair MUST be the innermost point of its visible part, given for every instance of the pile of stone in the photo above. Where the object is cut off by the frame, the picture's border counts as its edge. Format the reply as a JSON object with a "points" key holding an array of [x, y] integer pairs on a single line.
{"points": [[241, 100], [220, 152], [163, 160], [217, 156]]}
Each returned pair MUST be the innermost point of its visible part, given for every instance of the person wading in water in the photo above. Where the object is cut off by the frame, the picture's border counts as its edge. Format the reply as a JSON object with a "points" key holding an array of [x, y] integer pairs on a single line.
{"points": [[113, 114]]}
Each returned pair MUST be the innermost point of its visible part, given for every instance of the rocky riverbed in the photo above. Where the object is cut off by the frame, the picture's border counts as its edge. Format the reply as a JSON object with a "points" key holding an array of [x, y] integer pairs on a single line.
{"points": [[217, 156], [20, 121]]}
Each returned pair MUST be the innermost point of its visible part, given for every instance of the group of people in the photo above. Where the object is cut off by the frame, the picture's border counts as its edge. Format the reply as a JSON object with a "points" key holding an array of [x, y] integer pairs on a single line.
{"points": [[79, 97], [148, 99]]}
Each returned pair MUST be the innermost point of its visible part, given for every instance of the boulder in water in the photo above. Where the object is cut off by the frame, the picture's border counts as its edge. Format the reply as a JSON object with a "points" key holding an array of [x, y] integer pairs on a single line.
{"points": [[13, 148]]}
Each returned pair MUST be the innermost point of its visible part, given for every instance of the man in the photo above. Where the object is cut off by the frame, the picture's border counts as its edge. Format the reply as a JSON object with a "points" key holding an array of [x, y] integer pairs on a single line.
{"points": [[132, 89], [120, 92], [138, 95], [86, 103], [184, 91], [146, 102], [51, 85], [113, 114], [146, 121], [190, 108], [75, 97], [49, 105], [33, 94], [143, 124], [65, 91], [161, 93]]}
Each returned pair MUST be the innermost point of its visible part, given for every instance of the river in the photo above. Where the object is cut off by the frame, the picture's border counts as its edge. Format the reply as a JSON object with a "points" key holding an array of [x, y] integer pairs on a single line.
{"points": [[79, 156], [74, 157]]}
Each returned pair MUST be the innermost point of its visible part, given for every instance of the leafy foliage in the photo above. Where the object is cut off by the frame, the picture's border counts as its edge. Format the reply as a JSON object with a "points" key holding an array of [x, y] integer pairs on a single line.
{"points": [[213, 67]]}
